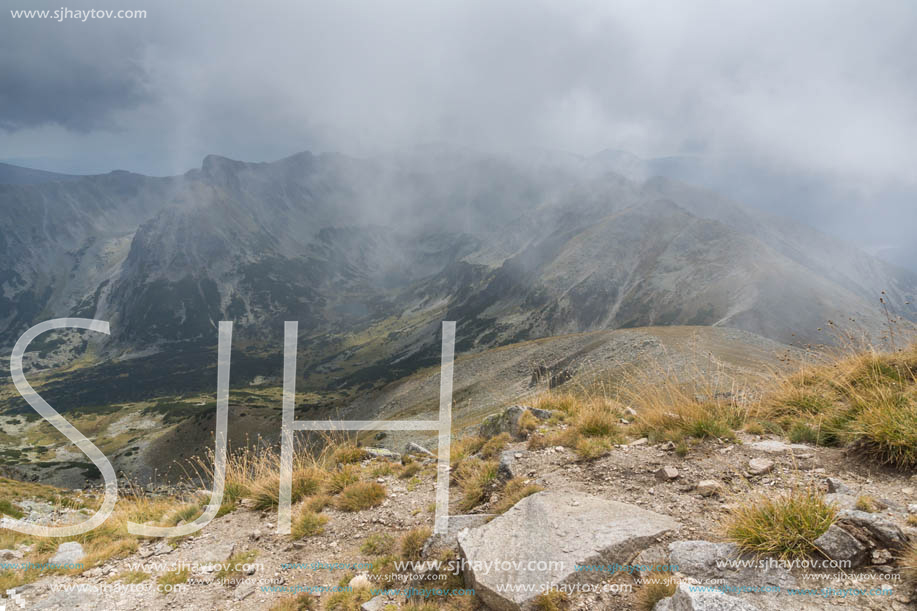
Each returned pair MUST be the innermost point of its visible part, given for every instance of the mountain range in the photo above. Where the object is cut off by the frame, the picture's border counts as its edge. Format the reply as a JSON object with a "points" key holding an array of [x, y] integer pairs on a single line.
{"points": [[370, 254]]}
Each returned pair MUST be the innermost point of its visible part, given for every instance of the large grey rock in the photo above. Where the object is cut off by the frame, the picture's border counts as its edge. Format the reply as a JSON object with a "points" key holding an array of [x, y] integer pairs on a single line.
{"points": [[556, 531], [70, 552], [689, 598], [704, 560], [507, 421], [837, 544], [880, 530]]}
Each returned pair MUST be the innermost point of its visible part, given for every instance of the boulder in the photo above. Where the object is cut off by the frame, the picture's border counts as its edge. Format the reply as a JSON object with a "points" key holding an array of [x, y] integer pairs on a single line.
{"points": [[881, 531], [507, 421], [691, 598], [704, 560], [556, 531], [837, 544], [70, 552]]}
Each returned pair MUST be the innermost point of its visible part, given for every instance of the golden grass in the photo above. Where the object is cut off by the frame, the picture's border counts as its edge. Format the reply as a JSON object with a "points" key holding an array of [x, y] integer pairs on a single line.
{"points": [[515, 490], [308, 524], [908, 564], [867, 401], [464, 447], [229, 569], [360, 496], [306, 482], [301, 602], [378, 544], [348, 453], [411, 544], [173, 578], [131, 577], [553, 600], [409, 470], [342, 477], [494, 445], [474, 477], [865, 503], [655, 587], [785, 526]]}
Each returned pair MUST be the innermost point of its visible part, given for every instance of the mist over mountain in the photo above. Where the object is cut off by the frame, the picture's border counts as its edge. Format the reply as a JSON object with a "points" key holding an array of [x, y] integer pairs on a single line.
{"points": [[388, 246]]}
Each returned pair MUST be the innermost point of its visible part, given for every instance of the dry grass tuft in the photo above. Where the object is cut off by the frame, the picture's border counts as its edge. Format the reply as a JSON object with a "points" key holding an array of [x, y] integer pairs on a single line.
{"points": [[341, 478], [360, 496], [784, 526], [411, 544], [553, 600], [867, 401], [515, 490], [474, 477], [308, 524], [656, 586]]}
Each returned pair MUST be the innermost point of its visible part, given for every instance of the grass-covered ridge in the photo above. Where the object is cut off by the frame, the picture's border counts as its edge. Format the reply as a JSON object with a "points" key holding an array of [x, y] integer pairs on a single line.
{"points": [[866, 401]]}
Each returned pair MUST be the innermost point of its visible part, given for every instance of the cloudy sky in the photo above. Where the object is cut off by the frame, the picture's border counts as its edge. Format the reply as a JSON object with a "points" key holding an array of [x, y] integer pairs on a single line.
{"points": [[820, 94]]}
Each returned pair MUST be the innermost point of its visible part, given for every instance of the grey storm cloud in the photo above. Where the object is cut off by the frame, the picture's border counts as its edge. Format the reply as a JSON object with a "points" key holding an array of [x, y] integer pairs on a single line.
{"points": [[823, 91], [74, 77]]}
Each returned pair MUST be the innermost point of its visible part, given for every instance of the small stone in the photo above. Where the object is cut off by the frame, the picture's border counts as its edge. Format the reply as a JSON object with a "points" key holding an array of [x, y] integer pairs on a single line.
{"points": [[907, 491], [760, 466], [667, 473], [708, 487], [559, 449], [640, 442], [360, 581], [668, 446], [881, 556]]}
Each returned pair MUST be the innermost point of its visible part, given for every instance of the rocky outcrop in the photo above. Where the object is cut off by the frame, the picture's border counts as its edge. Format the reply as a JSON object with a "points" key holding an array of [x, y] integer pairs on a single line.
{"points": [[691, 598], [541, 540], [507, 421]]}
